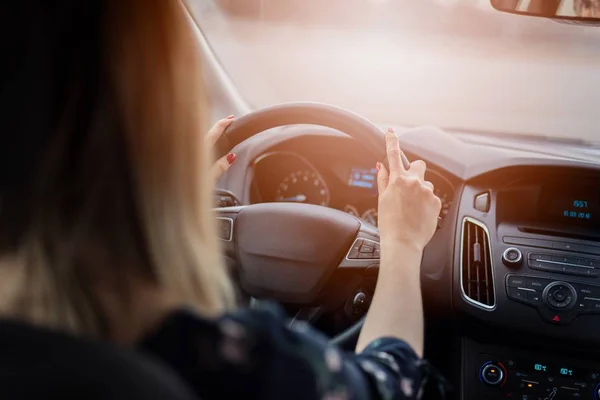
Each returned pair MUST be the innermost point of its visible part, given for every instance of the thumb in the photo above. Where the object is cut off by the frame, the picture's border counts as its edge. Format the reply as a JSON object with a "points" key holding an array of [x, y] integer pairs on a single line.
{"points": [[383, 177], [221, 166]]}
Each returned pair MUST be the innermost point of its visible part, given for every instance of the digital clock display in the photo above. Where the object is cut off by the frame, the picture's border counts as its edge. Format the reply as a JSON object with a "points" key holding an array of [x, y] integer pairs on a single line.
{"points": [[568, 205]]}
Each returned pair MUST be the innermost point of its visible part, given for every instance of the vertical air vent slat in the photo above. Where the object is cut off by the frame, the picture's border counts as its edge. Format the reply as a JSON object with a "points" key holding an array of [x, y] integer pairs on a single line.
{"points": [[477, 279]]}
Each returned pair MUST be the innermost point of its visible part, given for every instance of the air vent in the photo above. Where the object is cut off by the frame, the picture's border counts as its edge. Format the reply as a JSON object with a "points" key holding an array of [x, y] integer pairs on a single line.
{"points": [[476, 274]]}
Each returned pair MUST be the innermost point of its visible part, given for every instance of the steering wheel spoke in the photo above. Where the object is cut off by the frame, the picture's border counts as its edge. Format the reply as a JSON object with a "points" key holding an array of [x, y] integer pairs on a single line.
{"points": [[365, 251], [226, 221]]}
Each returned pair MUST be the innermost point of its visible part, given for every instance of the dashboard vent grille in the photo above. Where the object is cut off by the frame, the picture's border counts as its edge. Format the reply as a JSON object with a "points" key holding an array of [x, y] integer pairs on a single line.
{"points": [[477, 274]]}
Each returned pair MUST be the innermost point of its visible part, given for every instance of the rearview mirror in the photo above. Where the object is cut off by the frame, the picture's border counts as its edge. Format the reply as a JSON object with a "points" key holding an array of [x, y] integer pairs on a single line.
{"points": [[584, 10]]}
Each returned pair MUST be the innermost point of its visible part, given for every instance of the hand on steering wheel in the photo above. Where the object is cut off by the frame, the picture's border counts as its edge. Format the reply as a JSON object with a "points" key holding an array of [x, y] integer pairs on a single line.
{"points": [[222, 164]]}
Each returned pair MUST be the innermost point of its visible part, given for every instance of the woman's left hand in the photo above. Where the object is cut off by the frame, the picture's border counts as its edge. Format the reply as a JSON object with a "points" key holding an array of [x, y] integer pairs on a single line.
{"points": [[223, 163]]}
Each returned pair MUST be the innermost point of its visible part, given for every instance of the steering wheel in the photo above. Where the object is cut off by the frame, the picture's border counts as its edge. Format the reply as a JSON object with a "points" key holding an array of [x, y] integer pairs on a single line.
{"points": [[288, 251]]}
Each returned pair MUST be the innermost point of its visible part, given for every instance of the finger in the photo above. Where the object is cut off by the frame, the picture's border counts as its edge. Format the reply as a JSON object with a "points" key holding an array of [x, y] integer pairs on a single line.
{"points": [[392, 146], [217, 130], [428, 185], [222, 165], [382, 177], [418, 168]]}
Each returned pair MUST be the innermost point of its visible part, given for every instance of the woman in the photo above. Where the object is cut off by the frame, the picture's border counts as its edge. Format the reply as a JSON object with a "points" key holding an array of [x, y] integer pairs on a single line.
{"points": [[106, 228]]}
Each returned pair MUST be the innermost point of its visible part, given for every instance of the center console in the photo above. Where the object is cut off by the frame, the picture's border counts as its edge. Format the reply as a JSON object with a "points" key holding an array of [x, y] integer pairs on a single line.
{"points": [[495, 372], [529, 263]]}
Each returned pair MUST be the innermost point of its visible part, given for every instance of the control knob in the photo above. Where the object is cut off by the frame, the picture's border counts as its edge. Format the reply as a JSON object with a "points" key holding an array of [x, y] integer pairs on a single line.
{"points": [[512, 257], [492, 374], [560, 295]]}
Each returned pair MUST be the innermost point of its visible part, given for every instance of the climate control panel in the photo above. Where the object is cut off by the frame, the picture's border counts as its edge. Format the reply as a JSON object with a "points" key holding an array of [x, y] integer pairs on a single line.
{"points": [[557, 302]]}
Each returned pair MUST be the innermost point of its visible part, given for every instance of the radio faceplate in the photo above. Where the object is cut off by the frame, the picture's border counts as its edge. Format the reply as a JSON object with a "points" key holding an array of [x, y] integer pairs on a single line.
{"points": [[557, 302]]}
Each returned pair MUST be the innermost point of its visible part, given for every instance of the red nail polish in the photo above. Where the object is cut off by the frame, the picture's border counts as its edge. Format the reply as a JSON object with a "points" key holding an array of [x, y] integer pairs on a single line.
{"points": [[230, 158], [391, 130], [230, 117], [378, 166]]}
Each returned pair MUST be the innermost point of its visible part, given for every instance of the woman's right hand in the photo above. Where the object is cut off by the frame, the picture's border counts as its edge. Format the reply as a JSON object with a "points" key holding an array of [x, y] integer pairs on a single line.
{"points": [[408, 209]]}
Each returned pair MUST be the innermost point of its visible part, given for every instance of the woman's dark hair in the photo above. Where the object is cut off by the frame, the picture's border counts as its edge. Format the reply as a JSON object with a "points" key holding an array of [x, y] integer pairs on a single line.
{"points": [[104, 176]]}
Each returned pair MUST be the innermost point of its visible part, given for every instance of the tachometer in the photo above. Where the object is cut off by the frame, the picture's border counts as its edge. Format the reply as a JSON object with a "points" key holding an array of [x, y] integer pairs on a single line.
{"points": [[303, 187]]}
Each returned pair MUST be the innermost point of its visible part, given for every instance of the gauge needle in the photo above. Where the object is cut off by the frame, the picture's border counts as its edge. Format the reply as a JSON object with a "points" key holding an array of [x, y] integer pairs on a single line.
{"points": [[299, 198]]}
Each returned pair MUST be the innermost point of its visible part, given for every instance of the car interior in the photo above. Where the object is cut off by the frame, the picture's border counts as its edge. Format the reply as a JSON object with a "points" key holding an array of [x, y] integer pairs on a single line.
{"points": [[510, 280]]}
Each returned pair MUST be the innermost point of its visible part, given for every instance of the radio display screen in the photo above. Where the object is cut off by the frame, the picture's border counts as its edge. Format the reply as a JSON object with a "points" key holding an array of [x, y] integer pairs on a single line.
{"points": [[570, 205]]}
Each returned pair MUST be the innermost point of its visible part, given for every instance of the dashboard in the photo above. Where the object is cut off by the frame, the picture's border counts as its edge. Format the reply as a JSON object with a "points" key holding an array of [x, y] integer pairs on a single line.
{"points": [[511, 280], [348, 185]]}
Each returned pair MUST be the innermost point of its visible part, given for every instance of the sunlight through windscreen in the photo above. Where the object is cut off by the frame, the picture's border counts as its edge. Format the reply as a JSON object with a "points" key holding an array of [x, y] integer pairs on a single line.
{"points": [[451, 63]]}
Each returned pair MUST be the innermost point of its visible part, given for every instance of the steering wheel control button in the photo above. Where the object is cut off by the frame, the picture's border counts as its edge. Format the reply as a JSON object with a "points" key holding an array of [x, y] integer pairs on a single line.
{"points": [[364, 249], [225, 228], [492, 374], [512, 257], [482, 202], [367, 248], [355, 250]]}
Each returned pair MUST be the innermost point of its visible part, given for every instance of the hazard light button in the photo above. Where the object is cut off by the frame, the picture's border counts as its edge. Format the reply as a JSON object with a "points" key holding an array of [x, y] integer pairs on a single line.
{"points": [[557, 317]]}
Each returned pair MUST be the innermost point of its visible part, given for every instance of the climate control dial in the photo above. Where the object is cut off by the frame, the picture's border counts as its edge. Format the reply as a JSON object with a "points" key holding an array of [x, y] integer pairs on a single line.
{"points": [[492, 374]]}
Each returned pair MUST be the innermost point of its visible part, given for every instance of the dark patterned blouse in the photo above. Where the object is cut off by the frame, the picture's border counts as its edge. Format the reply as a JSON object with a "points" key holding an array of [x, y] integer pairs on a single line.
{"points": [[253, 354]]}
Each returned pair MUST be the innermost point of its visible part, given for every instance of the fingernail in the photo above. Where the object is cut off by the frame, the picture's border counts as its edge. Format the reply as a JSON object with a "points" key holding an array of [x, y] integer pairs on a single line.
{"points": [[230, 117], [391, 130], [378, 166], [230, 158]]}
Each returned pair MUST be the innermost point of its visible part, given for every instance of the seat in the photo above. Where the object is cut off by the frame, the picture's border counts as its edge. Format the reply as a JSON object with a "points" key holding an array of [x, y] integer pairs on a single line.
{"points": [[36, 363]]}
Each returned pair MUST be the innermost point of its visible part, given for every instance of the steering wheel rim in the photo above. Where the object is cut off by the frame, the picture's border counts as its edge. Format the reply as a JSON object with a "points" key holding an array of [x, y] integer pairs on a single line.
{"points": [[312, 113]]}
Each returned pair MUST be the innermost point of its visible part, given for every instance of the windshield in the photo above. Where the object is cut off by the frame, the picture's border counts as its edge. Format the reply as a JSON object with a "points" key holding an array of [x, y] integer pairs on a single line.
{"points": [[458, 64]]}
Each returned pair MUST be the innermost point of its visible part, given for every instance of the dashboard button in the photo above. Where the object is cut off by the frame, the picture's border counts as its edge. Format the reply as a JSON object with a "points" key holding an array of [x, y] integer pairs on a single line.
{"points": [[537, 283], [516, 281], [512, 257], [559, 295], [534, 298], [560, 317], [517, 294], [539, 256], [482, 202], [586, 262]]}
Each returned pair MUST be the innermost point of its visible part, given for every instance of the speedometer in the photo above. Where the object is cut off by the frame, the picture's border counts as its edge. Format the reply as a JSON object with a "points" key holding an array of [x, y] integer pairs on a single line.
{"points": [[303, 187]]}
